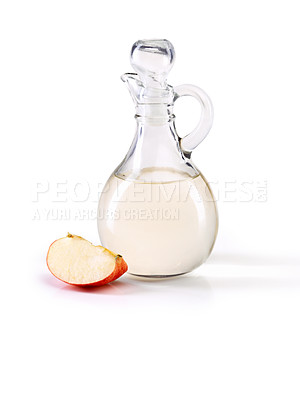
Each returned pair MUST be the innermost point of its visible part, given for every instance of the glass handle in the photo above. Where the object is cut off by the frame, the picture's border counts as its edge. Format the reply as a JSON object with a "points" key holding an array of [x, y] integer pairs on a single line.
{"points": [[189, 142]]}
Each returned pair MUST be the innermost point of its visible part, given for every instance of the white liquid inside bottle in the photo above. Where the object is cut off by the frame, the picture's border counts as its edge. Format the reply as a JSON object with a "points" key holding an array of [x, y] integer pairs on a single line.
{"points": [[160, 228]]}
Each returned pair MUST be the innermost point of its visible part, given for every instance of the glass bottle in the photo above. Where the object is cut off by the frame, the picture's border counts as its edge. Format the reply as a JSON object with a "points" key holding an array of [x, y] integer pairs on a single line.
{"points": [[157, 209]]}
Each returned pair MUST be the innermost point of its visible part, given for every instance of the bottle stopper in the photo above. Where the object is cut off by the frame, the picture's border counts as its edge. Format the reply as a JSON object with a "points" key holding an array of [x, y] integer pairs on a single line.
{"points": [[153, 60]]}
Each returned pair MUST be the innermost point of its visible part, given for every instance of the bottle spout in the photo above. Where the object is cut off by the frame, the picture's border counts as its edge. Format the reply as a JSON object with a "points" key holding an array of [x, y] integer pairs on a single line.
{"points": [[134, 84]]}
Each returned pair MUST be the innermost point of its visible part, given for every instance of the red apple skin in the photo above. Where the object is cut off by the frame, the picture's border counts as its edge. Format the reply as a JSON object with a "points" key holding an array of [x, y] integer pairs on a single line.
{"points": [[120, 268]]}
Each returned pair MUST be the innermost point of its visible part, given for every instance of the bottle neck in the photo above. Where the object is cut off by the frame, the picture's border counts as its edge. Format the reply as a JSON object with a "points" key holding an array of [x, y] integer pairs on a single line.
{"points": [[155, 154], [155, 148], [154, 114]]}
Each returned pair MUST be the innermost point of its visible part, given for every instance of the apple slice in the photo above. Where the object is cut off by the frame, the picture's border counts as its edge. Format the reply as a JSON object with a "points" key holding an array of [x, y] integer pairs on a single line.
{"points": [[76, 261]]}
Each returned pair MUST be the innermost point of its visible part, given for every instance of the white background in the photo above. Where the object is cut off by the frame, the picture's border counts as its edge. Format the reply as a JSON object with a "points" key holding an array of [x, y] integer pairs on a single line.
{"points": [[230, 330]]}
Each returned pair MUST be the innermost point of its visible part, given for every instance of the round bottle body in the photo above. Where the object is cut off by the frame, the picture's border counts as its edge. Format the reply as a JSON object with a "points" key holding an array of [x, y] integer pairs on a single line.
{"points": [[161, 228]]}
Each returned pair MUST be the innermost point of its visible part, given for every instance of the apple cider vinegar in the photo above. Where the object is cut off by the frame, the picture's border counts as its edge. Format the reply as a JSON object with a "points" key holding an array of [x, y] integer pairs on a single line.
{"points": [[156, 209], [160, 228]]}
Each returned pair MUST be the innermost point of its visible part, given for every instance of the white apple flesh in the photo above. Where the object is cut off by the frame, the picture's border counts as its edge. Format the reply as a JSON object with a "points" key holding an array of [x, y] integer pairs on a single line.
{"points": [[76, 261]]}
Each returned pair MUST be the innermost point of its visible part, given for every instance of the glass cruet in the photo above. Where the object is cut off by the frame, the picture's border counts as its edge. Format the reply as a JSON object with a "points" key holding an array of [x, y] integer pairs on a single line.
{"points": [[157, 209]]}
